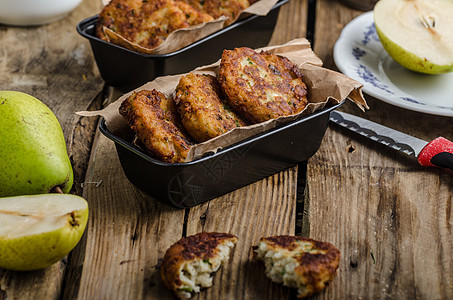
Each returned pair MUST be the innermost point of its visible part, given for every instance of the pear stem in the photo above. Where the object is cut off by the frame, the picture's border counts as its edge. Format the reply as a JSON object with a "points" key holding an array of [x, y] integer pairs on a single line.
{"points": [[56, 189]]}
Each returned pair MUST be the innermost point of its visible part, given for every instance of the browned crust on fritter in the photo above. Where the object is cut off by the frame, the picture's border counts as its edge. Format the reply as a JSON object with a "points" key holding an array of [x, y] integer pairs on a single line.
{"points": [[154, 119], [200, 246], [261, 86], [204, 112], [147, 23], [317, 269], [218, 8]]}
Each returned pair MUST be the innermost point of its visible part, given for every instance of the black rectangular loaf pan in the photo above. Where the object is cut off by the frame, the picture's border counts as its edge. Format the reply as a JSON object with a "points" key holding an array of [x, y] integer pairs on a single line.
{"points": [[188, 184], [126, 69]]}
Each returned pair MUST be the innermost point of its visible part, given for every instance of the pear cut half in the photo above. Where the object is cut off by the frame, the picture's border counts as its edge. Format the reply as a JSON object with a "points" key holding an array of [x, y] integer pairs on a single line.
{"points": [[38, 230], [418, 34]]}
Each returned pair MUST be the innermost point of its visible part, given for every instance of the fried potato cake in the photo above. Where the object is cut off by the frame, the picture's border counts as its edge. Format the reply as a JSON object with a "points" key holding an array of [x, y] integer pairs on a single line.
{"points": [[155, 121], [218, 8], [261, 86], [299, 262], [147, 22], [204, 111], [188, 264]]}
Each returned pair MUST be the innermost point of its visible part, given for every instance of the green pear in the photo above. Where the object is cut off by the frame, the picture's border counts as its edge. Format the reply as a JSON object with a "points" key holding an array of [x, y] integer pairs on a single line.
{"points": [[38, 230], [32, 147], [418, 34]]}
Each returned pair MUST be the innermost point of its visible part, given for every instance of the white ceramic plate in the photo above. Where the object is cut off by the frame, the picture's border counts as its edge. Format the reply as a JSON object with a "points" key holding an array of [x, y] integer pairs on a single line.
{"points": [[358, 53], [34, 12]]}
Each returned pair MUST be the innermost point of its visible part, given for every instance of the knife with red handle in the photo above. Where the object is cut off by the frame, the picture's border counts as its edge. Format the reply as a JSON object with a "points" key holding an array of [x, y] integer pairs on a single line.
{"points": [[437, 153]]}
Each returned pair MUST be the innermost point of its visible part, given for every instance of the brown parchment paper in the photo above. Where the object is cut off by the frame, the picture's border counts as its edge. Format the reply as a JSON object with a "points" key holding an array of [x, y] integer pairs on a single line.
{"points": [[325, 87], [180, 38]]}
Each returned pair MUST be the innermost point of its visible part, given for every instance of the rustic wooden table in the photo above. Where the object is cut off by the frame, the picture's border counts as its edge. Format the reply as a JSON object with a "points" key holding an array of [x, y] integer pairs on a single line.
{"points": [[391, 219]]}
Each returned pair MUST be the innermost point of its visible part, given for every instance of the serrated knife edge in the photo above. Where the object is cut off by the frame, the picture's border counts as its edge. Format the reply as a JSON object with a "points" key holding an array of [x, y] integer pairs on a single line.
{"points": [[384, 135]]}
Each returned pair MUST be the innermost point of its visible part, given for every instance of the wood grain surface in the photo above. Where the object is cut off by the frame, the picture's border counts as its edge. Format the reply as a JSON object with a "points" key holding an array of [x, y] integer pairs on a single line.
{"points": [[291, 22], [265, 208], [391, 218], [120, 254], [128, 232], [55, 65]]}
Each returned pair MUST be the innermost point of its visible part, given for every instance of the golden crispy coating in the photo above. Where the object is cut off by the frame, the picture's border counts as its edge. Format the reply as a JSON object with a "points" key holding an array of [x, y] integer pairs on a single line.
{"points": [[188, 264], [154, 120], [261, 86], [147, 22], [218, 8], [203, 109], [299, 262]]}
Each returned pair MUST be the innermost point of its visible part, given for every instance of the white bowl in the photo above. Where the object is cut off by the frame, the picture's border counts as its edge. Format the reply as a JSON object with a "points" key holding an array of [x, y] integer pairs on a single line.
{"points": [[34, 12]]}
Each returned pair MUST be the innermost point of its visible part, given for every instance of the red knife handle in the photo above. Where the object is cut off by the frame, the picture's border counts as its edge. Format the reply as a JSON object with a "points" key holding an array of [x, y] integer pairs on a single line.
{"points": [[437, 153]]}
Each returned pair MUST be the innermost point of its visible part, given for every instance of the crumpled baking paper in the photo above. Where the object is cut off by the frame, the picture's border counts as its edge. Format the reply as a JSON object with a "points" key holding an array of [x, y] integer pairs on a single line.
{"points": [[325, 88]]}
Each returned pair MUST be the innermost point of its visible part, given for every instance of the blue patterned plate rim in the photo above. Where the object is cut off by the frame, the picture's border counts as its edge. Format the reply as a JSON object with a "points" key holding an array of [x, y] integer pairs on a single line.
{"points": [[359, 54]]}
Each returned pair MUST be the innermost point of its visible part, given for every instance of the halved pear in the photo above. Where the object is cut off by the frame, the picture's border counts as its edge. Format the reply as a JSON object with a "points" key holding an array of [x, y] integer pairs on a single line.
{"points": [[38, 230], [418, 34]]}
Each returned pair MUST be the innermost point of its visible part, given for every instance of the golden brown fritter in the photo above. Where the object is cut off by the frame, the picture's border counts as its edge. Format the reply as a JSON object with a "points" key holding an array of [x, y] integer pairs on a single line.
{"points": [[261, 86], [188, 264], [155, 121], [147, 22], [299, 262], [218, 8], [203, 109]]}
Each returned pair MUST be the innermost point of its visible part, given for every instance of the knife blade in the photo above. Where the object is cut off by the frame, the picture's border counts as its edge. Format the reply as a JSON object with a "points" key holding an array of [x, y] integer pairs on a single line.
{"points": [[437, 153]]}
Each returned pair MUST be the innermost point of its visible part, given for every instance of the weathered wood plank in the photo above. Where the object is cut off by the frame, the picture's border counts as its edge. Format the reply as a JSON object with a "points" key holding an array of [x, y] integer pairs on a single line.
{"points": [[127, 233], [331, 16], [54, 64], [381, 205], [102, 276], [43, 284], [265, 208], [291, 22], [390, 217]]}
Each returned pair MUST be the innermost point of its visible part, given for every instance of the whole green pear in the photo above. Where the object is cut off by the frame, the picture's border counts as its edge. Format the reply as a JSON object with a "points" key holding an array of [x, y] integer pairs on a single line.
{"points": [[33, 156], [36, 231]]}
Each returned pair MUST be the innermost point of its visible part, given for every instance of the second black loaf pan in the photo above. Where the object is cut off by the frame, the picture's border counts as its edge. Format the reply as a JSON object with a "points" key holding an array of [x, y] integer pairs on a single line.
{"points": [[126, 69]]}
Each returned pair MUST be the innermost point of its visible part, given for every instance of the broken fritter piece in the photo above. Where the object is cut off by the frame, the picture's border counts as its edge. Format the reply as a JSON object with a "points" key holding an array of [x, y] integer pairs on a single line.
{"points": [[218, 8], [299, 262], [188, 264], [147, 23], [204, 112], [261, 86], [155, 121]]}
